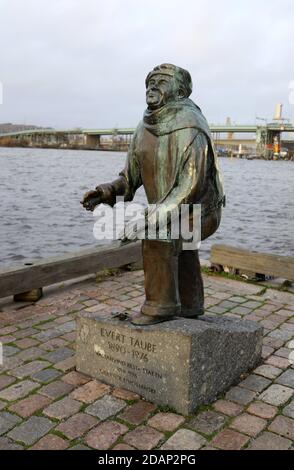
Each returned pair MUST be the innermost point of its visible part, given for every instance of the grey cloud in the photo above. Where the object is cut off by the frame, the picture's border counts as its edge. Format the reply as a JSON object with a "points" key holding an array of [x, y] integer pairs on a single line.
{"points": [[71, 63]]}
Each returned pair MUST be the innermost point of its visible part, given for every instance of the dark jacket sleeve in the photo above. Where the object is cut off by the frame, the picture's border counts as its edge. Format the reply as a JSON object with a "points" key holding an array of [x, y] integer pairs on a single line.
{"points": [[130, 177]]}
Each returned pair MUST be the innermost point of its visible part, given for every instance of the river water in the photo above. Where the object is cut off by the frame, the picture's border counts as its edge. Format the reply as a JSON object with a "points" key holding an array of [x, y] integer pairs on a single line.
{"points": [[41, 216]]}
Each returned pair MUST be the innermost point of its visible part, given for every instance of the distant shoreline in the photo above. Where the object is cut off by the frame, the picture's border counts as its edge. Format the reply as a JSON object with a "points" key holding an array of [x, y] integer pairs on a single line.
{"points": [[123, 148]]}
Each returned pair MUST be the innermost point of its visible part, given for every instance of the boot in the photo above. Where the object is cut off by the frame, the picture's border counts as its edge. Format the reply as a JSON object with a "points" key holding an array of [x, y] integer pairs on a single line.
{"points": [[190, 284], [162, 303]]}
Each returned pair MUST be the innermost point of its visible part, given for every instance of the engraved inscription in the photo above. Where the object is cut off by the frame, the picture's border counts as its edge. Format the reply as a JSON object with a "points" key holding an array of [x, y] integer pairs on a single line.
{"points": [[123, 344], [129, 348]]}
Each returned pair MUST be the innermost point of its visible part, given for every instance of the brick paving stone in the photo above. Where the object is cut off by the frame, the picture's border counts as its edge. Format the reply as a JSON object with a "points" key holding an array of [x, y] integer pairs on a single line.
{"points": [[63, 408], [31, 430], [269, 307], [9, 351], [53, 344], [277, 361], [284, 426], [58, 355], [285, 313], [277, 319], [248, 424], [268, 371], [166, 421], [138, 412], [50, 442], [143, 437], [6, 380], [263, 410], [56, 389], [252, 304], [270, 441], [240, 310], [67, 364], [229, 440], [266, 351], [7, 444], [125, 394], [273, 342], [76, 378], [3, 405], [25, 333], [26, 343], [67, 327], [227, 304], [11, 363], [99, 307], [208, 422], [77, 425], [276, 395], [70, 337], [7, 339], [7, 330], [281, 334], [123, 446], [221, 295], [283, 352], [267, 326], [228, 407], [47, 335], [30, 354], [28, 406], [18, 390], [255, 383], [238, 300], [47, 325], [240, 395], [184, 439], [46, 375], [287, 326], [286, 378], [79, 447], [105, 407], [60, 320], [253, 317], [217, 309], [29, 369], [103, 436], [90, 392], [289, 410], [7, 421]]}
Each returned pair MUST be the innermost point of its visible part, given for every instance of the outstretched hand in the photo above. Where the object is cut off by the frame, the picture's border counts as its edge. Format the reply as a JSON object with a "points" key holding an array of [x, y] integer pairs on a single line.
{"points": [[91, 199]]}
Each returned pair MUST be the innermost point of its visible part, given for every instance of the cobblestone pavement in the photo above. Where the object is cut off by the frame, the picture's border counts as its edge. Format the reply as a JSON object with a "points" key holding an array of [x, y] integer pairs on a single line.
{"points": [[46, 404]]}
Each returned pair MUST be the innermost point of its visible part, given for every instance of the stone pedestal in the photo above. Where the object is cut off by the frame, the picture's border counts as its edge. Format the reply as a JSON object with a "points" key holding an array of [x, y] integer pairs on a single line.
{"points": [[181, 363]]}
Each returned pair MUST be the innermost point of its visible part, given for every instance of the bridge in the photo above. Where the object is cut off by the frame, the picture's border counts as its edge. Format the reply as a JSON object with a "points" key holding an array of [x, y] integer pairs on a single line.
{"points": [[267, 137]]}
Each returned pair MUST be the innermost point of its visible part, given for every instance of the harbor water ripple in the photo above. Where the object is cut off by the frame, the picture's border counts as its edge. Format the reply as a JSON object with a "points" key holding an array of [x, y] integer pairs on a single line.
{"points": [[41, 215]]}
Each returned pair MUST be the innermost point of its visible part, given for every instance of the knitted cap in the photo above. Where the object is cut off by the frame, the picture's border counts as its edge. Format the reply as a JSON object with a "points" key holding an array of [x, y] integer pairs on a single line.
{"points": [[182, 75]]}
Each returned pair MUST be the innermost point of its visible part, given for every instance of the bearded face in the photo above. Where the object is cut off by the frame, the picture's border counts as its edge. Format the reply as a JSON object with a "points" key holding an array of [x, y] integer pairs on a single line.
{"points": [[161, 88]]}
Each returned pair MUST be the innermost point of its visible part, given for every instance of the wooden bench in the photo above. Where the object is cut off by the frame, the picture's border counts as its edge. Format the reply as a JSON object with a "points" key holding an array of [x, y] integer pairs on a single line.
{"points": [[253, 261], [35, 275]]}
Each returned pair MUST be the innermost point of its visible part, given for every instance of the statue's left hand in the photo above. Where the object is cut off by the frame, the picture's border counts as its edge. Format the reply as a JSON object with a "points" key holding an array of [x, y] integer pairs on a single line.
{"points": [[91, 199]]}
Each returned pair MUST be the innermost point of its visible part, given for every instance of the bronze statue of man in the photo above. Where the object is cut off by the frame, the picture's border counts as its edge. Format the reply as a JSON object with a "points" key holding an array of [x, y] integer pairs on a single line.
{"points": [[172, 156]]}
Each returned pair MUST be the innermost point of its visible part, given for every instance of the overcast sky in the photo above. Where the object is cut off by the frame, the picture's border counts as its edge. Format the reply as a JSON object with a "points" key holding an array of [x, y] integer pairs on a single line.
{"points": [[68, 63]]}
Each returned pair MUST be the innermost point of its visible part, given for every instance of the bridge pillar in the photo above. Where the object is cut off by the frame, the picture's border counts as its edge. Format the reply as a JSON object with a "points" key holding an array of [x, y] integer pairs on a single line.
{"points": [[230, 134], [268, 142], [92, 141]]}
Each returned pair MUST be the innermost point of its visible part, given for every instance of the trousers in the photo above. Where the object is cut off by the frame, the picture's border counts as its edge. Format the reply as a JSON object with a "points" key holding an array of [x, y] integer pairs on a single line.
{"points": [[173, 280]]}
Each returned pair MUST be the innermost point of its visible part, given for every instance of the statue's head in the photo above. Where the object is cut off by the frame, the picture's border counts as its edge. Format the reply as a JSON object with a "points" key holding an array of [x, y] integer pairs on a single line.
{"points": [[165, 83]]}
